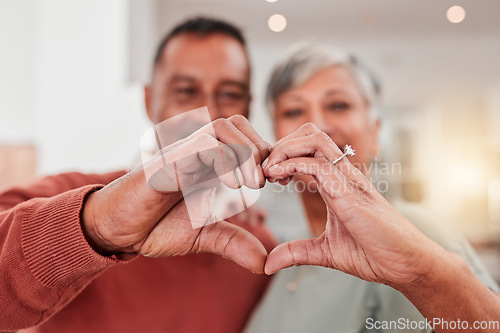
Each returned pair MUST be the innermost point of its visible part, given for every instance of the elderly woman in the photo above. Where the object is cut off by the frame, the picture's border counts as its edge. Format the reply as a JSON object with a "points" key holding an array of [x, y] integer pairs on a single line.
{"points": [[321, 100]]}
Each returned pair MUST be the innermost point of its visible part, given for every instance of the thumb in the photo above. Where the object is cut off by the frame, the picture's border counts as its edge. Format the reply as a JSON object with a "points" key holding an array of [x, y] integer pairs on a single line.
{"points": [[295, 253], [233, 243]]}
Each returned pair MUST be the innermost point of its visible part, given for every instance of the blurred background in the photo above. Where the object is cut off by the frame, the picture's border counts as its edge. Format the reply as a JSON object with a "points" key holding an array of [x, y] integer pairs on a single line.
{"points": [[72, 72]]}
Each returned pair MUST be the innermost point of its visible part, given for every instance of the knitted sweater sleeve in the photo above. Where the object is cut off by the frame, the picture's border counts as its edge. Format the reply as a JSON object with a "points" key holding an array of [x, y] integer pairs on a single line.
{"points": [[45, 260]]}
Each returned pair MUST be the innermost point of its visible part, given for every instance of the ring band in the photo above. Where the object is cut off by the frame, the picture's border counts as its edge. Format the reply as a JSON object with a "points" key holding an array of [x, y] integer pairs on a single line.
{"points": [[348, 151]]}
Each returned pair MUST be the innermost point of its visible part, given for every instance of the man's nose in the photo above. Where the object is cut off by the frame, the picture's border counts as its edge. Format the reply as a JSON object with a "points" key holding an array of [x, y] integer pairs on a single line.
{"points": [[213, 109]]}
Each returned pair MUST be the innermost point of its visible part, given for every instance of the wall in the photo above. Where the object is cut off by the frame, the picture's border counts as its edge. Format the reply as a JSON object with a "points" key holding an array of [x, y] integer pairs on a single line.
{"points": [[65, 84], [88, 116], [17, 64]]}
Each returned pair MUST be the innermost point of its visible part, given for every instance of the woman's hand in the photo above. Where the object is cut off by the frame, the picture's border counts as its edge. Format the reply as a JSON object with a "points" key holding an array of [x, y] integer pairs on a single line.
{"points": [[365, 236]]}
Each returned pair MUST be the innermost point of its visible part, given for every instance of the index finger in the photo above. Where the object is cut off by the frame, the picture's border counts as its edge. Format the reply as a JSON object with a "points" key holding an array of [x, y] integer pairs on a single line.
{"points": [[243, 125], [304, 130]]}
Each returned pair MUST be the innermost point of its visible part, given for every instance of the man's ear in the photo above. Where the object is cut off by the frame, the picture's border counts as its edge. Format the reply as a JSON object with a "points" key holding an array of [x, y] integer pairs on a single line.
{"points": [[147, 101]]}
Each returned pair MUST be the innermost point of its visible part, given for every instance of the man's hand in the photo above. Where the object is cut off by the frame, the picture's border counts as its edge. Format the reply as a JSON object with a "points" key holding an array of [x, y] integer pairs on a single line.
{"points": [[174, 235], [129, 216]]}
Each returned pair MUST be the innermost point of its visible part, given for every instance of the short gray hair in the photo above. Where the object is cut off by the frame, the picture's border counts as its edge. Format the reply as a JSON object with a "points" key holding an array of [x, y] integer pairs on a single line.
{"points": [[307, 59]]}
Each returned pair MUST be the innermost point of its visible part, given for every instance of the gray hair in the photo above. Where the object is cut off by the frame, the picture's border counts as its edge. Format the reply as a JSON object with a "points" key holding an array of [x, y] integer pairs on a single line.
{"points": [[307, 59]]}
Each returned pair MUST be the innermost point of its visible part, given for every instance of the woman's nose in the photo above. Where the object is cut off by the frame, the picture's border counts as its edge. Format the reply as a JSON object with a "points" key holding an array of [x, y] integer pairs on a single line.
{"points": [[318, 119]]}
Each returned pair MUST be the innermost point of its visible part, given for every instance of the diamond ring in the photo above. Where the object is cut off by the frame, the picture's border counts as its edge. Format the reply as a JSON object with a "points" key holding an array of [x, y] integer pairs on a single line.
{"points": [[348, 151]]}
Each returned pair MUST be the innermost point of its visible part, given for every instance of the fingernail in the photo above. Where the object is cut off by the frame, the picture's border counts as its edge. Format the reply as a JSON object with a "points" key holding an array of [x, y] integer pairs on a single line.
{"points": [[257, 174], [273, 168], [285, 181], [266, 161], [239, 178]]}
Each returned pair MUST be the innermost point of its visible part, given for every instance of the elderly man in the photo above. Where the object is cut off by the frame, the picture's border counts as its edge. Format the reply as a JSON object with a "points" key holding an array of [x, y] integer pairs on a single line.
{"points": [[77, 248]]}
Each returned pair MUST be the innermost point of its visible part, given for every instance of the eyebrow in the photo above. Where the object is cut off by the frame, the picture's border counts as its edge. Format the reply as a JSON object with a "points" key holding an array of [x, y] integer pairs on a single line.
{"points": [[239, 84], [190, 79], [333, 92], [181, 78]]}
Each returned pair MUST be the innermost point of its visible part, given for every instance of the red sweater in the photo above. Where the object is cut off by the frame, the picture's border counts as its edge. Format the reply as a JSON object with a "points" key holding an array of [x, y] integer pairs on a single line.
{"points": [[51, 277]]}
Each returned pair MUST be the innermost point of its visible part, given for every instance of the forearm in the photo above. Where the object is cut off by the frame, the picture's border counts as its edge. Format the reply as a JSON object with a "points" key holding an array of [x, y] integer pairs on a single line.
{"points": [[45, 260], [453, 294], [53, 185]]}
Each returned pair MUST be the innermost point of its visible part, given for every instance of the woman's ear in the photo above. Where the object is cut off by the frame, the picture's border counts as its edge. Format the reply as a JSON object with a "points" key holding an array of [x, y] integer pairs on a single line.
{"points": [[147, 101]]}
